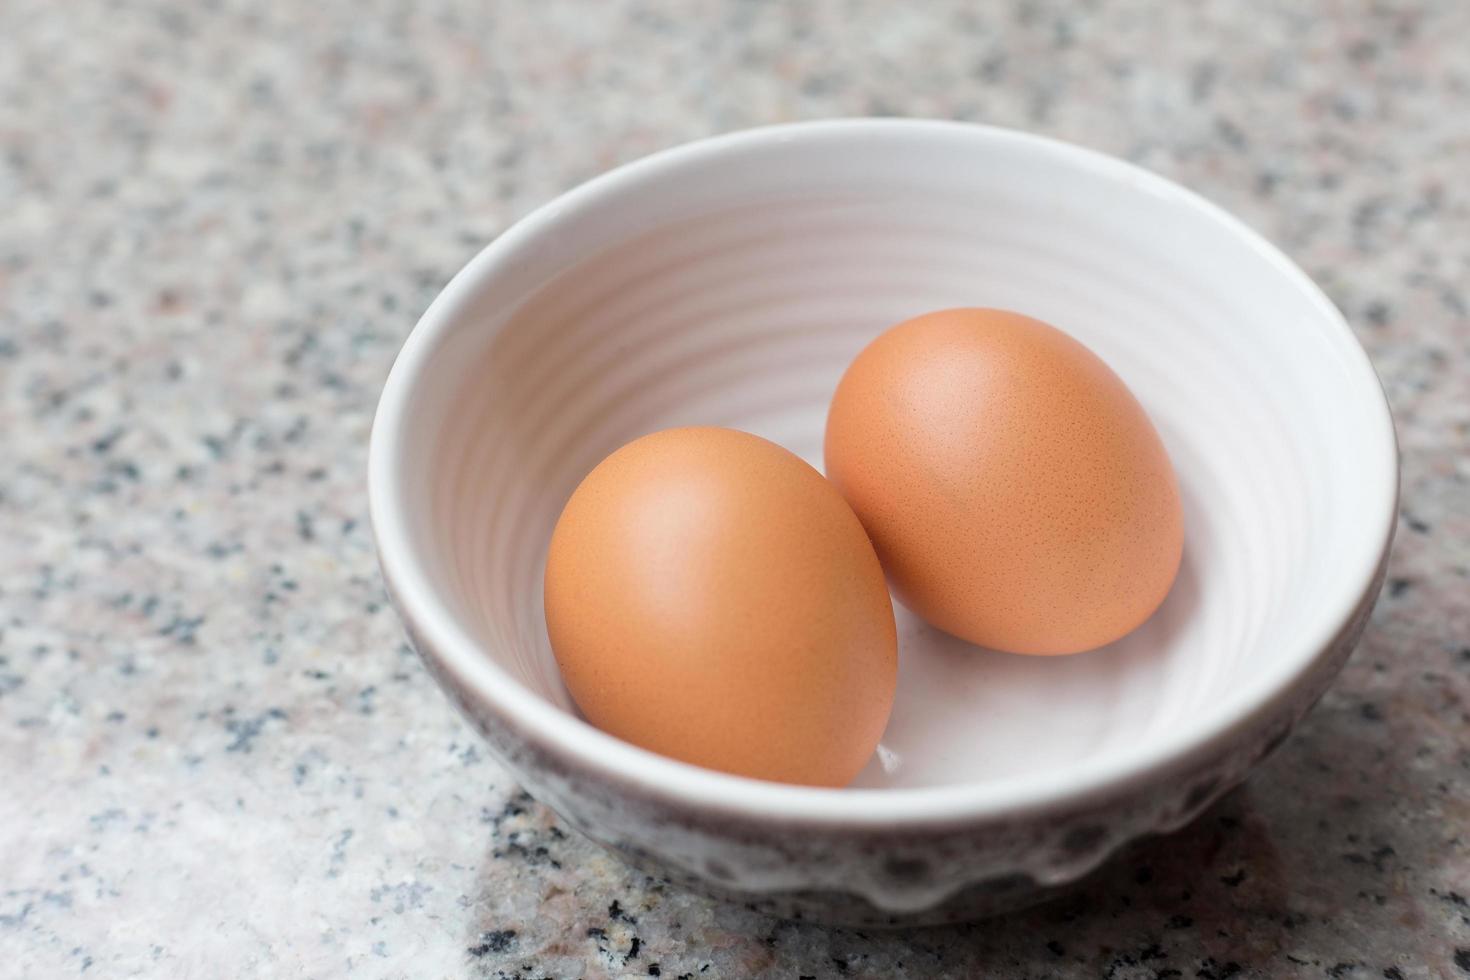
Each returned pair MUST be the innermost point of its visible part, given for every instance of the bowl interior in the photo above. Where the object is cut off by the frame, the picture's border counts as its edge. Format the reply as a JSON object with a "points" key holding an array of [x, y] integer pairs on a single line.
{"points": [[732, 286]]}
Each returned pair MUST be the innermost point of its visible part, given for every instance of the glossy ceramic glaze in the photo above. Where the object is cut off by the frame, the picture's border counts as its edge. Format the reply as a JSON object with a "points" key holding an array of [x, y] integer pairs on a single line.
{"points": [[729, 283]]}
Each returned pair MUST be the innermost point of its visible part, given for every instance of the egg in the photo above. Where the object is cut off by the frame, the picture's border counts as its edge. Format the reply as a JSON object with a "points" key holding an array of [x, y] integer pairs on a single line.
{"points": [[1016, 492], [710, 597]]}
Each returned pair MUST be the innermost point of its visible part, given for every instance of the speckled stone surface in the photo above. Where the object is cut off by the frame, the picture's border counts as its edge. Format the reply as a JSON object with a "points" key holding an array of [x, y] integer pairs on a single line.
{"points": [[219, 220]]}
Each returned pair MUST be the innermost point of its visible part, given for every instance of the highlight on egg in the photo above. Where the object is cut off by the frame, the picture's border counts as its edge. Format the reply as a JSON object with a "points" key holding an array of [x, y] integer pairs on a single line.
{"points": [[1016, 492], [711, 597]]}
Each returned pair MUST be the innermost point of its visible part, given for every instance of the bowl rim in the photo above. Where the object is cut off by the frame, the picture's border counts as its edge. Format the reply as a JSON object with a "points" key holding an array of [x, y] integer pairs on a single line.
{"points": [[579, 745]]}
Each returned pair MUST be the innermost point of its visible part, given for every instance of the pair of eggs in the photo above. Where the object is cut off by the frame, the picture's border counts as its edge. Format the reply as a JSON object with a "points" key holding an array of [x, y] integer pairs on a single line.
{"points": [[712, 597]]}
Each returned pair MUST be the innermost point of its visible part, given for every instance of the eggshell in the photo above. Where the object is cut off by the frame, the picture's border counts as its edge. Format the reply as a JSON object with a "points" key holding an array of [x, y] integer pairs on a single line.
{"points": [[1015, 490], [711, 597]]}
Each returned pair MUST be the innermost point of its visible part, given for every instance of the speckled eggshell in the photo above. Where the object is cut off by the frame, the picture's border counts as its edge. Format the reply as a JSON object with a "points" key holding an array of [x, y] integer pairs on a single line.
{"points": [[711, 597], [1015, 490]]}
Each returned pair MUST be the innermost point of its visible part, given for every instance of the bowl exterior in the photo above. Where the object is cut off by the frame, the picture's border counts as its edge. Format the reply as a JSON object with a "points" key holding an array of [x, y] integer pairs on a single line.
{"points": [[895, 877]]}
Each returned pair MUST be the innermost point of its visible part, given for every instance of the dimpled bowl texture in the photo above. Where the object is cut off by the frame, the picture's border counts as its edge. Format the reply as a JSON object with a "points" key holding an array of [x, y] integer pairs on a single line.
{"points": [[730, 282]]}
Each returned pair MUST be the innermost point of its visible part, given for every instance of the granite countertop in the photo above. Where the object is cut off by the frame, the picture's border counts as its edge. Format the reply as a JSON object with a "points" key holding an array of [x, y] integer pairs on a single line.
{"points": [[219, 220]]}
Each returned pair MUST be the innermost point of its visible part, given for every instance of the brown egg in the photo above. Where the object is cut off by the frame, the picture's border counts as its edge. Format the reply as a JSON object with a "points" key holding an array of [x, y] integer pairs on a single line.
{"points": [[711, 597], [1016, 492]]}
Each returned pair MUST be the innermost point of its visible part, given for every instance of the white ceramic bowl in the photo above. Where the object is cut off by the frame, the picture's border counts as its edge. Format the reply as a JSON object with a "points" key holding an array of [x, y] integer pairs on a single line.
{"points": [[729, 282]]}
